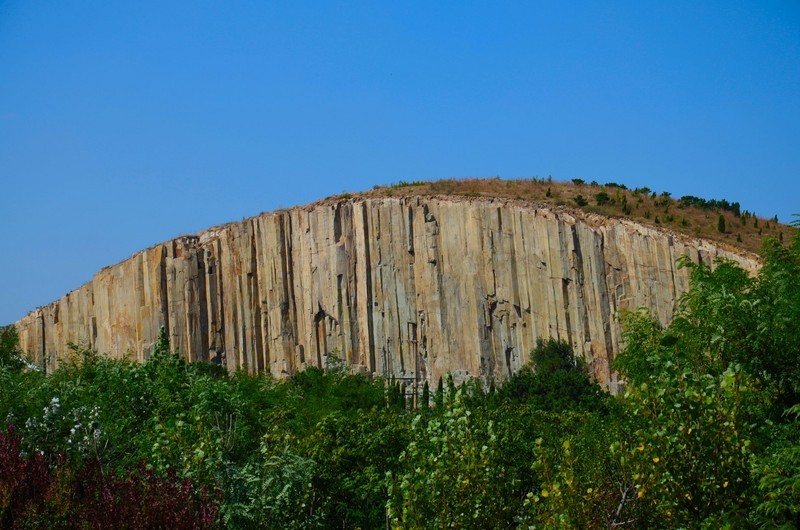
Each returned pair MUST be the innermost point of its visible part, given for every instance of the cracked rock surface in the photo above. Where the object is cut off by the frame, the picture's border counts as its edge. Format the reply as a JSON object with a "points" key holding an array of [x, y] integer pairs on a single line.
{"points": [[412, 287]]}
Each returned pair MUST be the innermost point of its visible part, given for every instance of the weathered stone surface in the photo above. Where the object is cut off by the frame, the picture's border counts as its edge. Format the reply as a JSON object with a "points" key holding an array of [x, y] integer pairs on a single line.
{"points": [[412, 287]]}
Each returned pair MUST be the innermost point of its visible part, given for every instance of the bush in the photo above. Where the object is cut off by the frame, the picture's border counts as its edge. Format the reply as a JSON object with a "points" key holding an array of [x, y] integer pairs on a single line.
{"points": [[602, 198]]}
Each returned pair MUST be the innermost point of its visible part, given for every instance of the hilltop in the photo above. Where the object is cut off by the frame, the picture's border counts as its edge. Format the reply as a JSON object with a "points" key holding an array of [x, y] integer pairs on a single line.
{"points": [[689, 215]]}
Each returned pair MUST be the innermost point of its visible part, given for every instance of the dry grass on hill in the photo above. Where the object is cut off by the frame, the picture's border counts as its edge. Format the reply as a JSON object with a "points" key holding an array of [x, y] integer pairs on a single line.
{"points": [[743, 230]]}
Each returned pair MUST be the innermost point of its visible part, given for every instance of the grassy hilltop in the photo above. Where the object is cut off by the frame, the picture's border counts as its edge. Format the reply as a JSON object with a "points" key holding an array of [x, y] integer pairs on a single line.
{"points": [[689, 215]]}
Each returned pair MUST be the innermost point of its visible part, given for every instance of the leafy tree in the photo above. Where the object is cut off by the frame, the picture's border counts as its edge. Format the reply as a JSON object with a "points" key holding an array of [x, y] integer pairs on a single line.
{"points": [[451, 475], [709, 394], [353, 453], [9, 340], [553, 380], [778, 475], [9, 347], [690, 451], [581, 483]]}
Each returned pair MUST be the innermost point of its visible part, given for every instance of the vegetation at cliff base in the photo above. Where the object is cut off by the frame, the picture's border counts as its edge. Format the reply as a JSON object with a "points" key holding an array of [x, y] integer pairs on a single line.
{"points": [[704, 434]]}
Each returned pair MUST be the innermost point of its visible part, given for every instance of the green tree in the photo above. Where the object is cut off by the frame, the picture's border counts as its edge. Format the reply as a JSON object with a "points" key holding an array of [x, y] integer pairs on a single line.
{"points": [[451, 475], [721, 224], [581, 483], [553, 380], [440, 394], [690, 449], [9, 347], [602, 198], [778, 475], [713, 444]]}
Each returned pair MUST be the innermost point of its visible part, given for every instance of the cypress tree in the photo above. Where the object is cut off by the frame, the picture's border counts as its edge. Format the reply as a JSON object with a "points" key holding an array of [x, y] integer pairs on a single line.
{"points": [[426, 396], [721, 223], [440, 394], [451, 388]]}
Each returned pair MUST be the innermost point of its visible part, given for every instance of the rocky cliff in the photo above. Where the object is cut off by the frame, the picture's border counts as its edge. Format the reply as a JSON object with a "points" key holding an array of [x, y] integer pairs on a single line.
{"points": [[412, 287]]}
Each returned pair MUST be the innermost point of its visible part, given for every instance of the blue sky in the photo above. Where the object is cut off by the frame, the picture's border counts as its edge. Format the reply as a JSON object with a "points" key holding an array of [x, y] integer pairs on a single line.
{"points": [[123, 124]]}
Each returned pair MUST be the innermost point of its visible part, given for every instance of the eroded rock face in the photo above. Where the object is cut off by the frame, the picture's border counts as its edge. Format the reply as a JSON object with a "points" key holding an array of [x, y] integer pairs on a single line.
{"points": [[412, 287]]}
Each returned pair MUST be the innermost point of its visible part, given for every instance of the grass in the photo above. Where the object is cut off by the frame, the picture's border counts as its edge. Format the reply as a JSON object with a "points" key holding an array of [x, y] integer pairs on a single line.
{"points": [[745, 232]]}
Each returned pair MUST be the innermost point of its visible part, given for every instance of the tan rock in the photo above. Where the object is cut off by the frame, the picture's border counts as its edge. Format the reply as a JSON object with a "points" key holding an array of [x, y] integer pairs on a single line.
{"points": [[411, 287]]}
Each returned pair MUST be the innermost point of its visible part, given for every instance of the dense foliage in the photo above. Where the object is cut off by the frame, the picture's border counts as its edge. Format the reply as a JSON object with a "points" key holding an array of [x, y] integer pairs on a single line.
{"points": [[704, 435]]}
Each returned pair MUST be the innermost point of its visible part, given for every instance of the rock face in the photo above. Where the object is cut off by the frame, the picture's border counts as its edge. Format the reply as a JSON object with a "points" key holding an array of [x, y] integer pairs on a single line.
{"points": [[412, 287]]}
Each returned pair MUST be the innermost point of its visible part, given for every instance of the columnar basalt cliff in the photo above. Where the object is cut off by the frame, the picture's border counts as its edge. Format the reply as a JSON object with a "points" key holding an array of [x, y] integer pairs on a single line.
{"points": [[414, 287]]}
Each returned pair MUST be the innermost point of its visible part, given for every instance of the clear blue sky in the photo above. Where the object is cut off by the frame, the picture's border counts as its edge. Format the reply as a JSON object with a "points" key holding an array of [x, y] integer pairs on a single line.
{"points": [[123, 124]]}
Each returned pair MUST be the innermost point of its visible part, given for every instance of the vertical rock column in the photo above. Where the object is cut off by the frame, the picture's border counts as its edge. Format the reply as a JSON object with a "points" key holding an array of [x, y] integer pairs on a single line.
{"points": [[413, 288]]}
